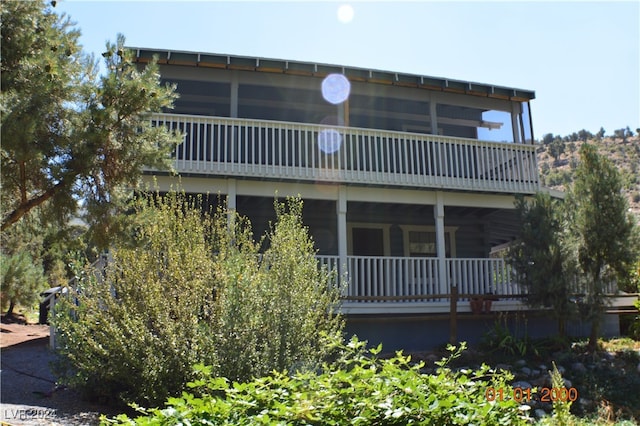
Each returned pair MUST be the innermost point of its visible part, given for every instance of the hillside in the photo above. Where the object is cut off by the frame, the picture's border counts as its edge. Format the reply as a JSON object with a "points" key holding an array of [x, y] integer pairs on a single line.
{"points": [[558, 172]]}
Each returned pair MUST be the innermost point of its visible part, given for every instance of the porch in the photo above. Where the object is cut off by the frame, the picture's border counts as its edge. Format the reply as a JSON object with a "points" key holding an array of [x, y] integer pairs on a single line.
{"points": [[411, 285], [324, 153]]}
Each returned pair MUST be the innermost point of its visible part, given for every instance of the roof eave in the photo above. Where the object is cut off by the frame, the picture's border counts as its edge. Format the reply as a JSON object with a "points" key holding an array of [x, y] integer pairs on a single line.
{"points": [[246, 63]]}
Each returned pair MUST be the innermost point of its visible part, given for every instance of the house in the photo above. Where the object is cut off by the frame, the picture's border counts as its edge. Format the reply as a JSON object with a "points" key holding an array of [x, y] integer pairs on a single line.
{"points": [[408, 181]]}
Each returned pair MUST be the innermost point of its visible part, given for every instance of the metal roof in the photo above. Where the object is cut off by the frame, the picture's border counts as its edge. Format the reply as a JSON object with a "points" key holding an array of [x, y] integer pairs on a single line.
{"points": [[246, 63]]}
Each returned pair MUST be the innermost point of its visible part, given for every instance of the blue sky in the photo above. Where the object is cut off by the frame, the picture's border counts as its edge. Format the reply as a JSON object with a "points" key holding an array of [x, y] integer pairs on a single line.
{"points": [[581, 58]]}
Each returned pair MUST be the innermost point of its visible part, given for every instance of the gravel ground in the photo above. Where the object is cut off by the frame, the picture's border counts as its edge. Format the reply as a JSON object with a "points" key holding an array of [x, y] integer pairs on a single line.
{"points": [[29, 395]]}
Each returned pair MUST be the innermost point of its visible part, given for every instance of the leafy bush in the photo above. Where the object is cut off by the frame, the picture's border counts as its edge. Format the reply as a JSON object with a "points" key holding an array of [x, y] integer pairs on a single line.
{"points": [[272, 308], [191, 289], [135, 334], [357, 389]]}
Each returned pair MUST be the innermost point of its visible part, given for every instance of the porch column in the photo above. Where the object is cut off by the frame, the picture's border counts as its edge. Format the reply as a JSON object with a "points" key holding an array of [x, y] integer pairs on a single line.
{"points": [[341, 211], [231, 202], [433, 114], [438, 213], [515, 126], [233, 108]]}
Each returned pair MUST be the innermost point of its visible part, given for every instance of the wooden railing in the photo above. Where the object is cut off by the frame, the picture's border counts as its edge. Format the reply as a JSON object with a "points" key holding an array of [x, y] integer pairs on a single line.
{"points": [[415, 279], [282, 150]]}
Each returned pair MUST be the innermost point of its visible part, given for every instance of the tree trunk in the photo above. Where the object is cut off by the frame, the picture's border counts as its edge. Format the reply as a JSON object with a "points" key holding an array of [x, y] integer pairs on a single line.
{"points": [[12, 304], [593, 338]]}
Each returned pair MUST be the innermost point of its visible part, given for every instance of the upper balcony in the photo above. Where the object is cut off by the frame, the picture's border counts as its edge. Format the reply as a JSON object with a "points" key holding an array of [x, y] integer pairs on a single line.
{"points": [[265, 149]]}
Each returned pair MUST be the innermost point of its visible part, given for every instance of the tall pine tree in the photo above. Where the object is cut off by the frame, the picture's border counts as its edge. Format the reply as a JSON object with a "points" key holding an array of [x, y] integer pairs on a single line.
{"points": [[602, 232], [69, 134], [539, 258]]}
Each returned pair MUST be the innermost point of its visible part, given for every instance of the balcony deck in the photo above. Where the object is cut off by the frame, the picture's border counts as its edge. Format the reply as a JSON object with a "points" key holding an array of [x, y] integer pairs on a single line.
{"points": [[307, 152]]}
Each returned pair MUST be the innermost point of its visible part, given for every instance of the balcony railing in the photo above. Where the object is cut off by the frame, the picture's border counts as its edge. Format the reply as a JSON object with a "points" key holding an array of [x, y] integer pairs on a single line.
{"points": [[282, 150], [375, 284], [415, 279]]}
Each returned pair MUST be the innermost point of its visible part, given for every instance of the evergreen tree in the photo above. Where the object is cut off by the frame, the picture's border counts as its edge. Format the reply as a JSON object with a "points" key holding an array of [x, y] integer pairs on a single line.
{"points": [[69, 134], [547, 138], [21, 268], [584, 135], [556, 149], [602, 234], [539, 259]]}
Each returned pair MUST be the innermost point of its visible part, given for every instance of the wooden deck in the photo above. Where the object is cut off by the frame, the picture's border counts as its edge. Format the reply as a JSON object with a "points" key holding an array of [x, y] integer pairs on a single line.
{"points": [[307, 152]]}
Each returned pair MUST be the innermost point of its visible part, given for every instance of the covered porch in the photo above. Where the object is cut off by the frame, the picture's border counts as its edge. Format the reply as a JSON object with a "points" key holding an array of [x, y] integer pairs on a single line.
{"points": [[394, 250], [412, 285]]}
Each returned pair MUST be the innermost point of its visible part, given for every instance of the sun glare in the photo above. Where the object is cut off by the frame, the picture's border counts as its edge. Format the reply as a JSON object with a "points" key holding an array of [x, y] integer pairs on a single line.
{"points": [[335, 88], [345, 13]]}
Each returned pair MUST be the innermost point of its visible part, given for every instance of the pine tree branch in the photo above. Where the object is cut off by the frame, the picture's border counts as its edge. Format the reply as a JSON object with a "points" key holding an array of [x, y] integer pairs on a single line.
{"points": [[25, 206]]}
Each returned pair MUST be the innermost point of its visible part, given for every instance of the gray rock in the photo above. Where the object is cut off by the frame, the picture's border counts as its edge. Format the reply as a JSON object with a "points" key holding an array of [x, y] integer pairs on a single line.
{"points": [[579, 367], [505, 367], [522, 385], [539, 413], [543, 367], [567, 383], [542, 382], [561, 369], [432, 358], [520, 363], [535, 373], [526, 371], [584, 402]]}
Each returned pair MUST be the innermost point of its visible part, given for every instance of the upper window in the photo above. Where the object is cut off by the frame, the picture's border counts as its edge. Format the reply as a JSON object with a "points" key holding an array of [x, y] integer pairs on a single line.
{"points": [[201, 97], [282, 104]]}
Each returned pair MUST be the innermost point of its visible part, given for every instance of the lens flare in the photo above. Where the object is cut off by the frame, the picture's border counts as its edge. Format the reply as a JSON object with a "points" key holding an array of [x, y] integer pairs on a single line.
{"points": [[335, 88], [329, 141], [345, 13]]}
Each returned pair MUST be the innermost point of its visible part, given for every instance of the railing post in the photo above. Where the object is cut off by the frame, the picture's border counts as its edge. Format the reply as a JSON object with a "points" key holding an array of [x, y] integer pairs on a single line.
{"points": [[341, 212], [52, 328], [441, 250]]}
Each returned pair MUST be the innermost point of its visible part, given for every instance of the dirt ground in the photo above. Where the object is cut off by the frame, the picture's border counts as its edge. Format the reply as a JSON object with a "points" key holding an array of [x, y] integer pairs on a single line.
{"points": [[29, 394], [16, 333]]}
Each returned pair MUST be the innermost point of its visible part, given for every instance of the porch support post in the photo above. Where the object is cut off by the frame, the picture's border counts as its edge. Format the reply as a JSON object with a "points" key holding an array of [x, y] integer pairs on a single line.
{"points": [[434, 118], [438, 212], [341, 211], [233, 112], [231, 202], [515, 126]]}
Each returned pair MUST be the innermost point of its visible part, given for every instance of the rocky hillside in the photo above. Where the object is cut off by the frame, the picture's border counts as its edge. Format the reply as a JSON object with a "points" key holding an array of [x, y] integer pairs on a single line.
{"points": [[558, 158]]}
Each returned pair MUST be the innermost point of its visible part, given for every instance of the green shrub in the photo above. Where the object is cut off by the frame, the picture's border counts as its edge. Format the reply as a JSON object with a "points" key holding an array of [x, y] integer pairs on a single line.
{"points": [[273, 307], [194, 288], [357, 389], [135, 334]]}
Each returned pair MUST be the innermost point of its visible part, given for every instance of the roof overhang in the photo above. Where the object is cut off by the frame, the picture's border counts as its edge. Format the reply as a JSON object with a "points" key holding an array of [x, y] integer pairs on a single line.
{"points": [[246, 63]]}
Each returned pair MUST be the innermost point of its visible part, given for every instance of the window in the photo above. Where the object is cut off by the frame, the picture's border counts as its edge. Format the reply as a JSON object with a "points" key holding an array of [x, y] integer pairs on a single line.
{"points": [[420, 241], [368, 239]]}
